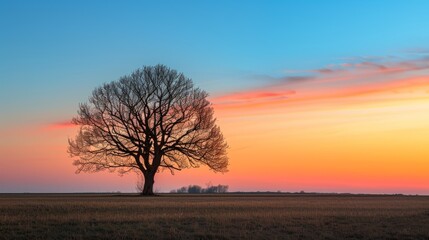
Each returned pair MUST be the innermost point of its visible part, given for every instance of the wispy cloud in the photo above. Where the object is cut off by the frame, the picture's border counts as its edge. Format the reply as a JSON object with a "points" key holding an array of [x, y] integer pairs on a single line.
{"points": [[59, 125], [348, 79], [254, 96]]}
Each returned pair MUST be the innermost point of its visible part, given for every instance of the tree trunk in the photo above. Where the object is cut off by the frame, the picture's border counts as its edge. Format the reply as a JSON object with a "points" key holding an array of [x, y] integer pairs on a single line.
{"points": [[149, 180]]}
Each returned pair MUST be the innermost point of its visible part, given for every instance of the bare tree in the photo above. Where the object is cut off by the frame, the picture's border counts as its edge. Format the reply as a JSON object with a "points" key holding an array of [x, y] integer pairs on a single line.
{"points": [[150, 120]]}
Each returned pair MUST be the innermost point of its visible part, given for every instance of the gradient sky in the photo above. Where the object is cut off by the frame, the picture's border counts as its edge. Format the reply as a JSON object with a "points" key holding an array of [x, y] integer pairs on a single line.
{"points": [[327, 96]]}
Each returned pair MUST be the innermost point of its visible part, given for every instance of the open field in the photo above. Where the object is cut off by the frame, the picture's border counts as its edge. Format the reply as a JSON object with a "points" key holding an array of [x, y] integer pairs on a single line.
{"points": [[229, 216]]}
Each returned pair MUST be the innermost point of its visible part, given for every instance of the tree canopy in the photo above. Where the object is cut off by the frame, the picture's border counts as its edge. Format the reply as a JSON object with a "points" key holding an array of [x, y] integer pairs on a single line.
{"points": [[149, 120]]}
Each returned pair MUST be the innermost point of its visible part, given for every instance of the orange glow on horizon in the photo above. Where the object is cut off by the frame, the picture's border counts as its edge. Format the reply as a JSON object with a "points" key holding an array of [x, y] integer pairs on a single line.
{"points": [[369, 136], [351, 135]]}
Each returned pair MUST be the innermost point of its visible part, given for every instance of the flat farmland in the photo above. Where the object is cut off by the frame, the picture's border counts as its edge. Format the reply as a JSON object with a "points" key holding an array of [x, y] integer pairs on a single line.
{"points": [[227, 216]]}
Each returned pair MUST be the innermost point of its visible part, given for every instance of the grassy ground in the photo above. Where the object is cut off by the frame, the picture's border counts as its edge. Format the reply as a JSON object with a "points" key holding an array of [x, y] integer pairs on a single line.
{"points": [[230, 216]]}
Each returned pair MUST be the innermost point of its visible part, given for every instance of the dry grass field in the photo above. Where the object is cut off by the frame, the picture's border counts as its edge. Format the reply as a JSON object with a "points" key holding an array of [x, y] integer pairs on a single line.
{"points": [[229, 216]]}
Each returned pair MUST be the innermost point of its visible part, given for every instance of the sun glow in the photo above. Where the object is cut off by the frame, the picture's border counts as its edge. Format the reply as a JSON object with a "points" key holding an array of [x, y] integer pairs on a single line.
{"points": [[372, 136]]}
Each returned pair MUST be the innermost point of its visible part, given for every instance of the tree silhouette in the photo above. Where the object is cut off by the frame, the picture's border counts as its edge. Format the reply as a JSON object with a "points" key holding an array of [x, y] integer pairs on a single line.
{"points": [[150, 120]]}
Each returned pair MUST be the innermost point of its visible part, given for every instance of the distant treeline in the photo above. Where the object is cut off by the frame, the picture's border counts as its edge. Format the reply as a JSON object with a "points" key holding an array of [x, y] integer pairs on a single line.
{"points": [[198, 189]]}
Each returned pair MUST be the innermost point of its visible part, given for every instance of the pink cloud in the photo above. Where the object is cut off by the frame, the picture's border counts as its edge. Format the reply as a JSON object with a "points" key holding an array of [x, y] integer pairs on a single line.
{"points": [[253, 96], [336, 81], [367, 67], [60, 125]]}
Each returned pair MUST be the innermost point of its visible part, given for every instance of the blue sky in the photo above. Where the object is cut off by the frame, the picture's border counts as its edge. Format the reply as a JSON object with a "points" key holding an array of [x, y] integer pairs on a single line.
{"points": [[54, 53], [62, 49]]}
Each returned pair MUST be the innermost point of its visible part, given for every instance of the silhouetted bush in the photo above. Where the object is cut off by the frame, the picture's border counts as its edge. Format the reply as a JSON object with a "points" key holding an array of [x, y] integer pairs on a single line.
{"points": [[194, 189], [182, 190], [197, 189]]}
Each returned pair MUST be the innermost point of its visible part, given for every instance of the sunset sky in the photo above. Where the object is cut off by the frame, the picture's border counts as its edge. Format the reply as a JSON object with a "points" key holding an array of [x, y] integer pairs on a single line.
{"points": [[319, 96]]}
